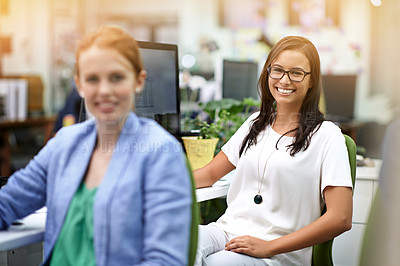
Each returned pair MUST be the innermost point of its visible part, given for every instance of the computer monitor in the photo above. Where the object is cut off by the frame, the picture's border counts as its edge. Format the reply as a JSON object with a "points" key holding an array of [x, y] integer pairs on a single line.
{"points": [[239, 79], [159, 99], [339, 91]]}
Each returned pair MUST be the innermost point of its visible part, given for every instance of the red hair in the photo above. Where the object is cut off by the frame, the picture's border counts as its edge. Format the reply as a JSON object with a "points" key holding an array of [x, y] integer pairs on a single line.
{"points": [[112, 37]]}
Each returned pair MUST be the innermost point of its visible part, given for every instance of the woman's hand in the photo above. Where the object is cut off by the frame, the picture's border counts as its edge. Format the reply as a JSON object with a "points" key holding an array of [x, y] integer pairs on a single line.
{"points": [[251, 246]]}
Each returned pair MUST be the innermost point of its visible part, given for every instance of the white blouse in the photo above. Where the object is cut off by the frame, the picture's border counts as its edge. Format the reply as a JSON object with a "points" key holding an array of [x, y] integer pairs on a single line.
{"points": [[291, 188]]}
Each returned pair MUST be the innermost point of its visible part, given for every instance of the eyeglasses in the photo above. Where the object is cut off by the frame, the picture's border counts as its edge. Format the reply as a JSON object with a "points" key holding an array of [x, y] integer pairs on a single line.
{"points": [[294, 75]]}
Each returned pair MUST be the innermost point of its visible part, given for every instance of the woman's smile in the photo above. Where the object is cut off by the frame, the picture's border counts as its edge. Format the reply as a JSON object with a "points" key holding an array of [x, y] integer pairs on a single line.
{"points": [[285, 91], [106, 107]]}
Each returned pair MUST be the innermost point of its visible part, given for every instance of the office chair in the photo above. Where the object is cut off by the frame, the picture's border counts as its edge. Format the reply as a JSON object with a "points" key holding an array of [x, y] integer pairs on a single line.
{"points": [[322, 253], [195, 220]]}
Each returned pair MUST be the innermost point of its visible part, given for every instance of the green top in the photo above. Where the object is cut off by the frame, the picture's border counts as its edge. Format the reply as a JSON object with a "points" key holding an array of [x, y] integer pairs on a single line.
{"points": [[74, 245]]}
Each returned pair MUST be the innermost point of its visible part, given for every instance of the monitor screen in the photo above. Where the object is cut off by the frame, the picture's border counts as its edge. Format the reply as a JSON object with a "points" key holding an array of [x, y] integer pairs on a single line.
{"points": [[339, 92], [159, 99], [239, 79]]}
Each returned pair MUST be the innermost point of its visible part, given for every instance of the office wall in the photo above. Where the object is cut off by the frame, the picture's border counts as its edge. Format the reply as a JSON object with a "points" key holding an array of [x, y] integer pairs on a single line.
{"points": [[139, 7], [385, 52]]}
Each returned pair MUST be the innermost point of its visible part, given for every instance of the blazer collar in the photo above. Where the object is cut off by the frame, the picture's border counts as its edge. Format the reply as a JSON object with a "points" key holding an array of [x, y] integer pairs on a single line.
{"points": [[80, 159]]}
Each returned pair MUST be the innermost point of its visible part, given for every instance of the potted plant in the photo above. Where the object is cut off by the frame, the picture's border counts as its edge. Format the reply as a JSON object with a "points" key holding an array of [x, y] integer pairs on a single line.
{"points": [[200, 150], [229, 115], [236, 113]]}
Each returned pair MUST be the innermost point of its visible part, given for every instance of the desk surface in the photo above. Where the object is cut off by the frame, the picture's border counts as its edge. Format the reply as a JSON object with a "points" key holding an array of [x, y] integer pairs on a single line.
{"points": [[32, 230], [219, 189], [371, 173], [29, 232]]}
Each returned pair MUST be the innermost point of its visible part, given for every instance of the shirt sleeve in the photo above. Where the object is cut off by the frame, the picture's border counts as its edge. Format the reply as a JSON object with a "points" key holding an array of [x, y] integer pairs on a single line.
{"points": [[232, 147], [335, 162]]}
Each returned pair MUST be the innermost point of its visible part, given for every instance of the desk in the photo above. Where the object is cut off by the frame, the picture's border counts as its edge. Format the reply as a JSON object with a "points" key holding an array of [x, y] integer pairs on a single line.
{"points": [[46, 123], [31, 231], [350, 242], [22, 244], [219, 189]]}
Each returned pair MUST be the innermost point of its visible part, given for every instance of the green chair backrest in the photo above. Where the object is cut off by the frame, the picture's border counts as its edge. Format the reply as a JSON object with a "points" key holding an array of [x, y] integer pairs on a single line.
{"points": [[195, 220], [322, 253]]}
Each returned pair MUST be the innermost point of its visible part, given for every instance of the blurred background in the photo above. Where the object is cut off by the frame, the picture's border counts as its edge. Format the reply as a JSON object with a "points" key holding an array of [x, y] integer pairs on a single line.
{"points": [[353, 37]]}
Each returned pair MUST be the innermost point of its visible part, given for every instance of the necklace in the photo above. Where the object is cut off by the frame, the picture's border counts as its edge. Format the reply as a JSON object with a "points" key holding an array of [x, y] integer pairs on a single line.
{"points": [[258, 198]]}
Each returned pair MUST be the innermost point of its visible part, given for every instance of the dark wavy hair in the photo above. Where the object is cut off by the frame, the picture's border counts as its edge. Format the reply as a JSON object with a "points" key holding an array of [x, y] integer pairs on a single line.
{"points": [[310, 115]]}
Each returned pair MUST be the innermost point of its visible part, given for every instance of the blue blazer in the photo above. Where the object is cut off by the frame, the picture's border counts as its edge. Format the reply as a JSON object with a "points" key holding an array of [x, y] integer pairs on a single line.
{"points": [[142, 208]]}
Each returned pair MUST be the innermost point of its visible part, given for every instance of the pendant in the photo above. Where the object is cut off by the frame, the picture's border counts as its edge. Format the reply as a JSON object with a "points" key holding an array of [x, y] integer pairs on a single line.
{"points": [[257, 199]]}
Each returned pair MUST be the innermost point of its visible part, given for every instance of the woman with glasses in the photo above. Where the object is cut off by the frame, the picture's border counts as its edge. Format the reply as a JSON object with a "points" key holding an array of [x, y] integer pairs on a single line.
{"points": [[289, 163], [116, 187]]}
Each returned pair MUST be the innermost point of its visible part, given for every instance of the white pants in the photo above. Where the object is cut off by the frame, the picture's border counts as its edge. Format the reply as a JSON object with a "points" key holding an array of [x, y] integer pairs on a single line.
{"points": [[211, 250]]}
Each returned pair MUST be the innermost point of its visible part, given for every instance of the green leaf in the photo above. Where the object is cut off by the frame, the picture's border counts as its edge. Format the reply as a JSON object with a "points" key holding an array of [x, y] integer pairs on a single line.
{"points": [[251, 102], [228, 115]]}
